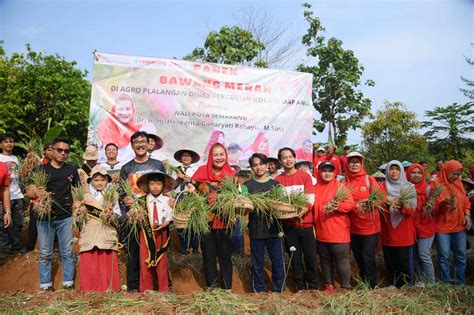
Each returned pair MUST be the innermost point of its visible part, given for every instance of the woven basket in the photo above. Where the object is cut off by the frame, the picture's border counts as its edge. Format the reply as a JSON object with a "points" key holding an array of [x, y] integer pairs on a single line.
{"points": [[244, 204], [180, 220], [287, 211]]}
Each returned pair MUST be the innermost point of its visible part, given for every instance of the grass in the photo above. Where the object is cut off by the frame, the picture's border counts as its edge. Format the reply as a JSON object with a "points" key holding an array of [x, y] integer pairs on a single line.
{"points": [[436, 299]]}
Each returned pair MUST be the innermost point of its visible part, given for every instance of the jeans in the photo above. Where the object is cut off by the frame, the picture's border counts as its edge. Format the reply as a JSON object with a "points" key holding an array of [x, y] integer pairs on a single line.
{"points": [[237, 238], [46, 232], [457, 243], [275, 251], [186, 243], [10, 238], [424, 268]]}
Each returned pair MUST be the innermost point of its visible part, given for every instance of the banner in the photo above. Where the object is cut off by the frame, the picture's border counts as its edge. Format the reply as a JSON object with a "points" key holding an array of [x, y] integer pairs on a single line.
{"points": [[194, 105]]}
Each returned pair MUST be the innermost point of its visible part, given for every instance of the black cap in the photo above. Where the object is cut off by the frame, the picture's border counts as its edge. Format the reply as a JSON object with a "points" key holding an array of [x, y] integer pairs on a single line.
{"points": [[347, 147], [326, 164]]}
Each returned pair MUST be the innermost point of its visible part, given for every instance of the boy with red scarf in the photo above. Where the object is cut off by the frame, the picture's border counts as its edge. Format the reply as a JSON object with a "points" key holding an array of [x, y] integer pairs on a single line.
{"points": [[299, 233], [217, 244]]}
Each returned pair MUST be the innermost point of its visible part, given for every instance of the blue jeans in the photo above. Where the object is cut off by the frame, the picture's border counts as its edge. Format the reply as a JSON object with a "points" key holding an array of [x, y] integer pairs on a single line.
{"points": [[423, 264], [456, 242], [257, 251], [237, 238], [186, 244], [46, 232]]}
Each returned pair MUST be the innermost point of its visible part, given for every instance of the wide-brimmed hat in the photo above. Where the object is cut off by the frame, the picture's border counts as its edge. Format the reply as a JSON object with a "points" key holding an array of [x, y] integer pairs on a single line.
{"points": [[178, 154], [276, 161], [158, 141], [142, 181], [326, 164], [91, 153], [299, 162], [321, 149], [354, 154], [406, 164], [468, 181], [99, 169]]}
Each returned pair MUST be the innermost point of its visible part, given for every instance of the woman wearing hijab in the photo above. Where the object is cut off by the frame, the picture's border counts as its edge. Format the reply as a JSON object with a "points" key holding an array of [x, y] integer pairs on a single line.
{"points": [[332, 229], [424, 224], [452, 218], [365, 228], [217, 136], [217, 244], [398, 225]]}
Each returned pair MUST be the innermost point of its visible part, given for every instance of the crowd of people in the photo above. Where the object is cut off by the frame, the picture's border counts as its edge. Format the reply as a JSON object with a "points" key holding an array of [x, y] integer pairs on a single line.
{"points": [[405, 225]]}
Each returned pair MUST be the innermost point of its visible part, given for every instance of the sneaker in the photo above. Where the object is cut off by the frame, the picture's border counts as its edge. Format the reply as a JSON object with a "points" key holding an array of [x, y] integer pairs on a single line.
{"points": [[329, 288], [392, 287], [46, 290], [420, 285], [68, 287]]}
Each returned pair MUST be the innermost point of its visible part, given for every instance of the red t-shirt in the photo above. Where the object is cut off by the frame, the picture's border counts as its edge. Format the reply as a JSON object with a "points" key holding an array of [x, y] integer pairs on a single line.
{"points": [[4, 178], [363, 224], [425, 226], [299, 182], [404, 234]]}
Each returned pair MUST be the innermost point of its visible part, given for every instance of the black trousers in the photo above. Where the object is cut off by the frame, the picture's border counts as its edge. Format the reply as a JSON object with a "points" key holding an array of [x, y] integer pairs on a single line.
{"points": [[399, 265], [335, 254], [32, 230], [303, 242], [217, 245], [364, 248], [133, 263]]}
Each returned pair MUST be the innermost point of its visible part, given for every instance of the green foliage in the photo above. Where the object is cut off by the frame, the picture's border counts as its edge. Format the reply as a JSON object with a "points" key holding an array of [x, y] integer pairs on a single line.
{"points": [[38, 91], [336, 79], [451, 129], [393, 135], [230, 45]]}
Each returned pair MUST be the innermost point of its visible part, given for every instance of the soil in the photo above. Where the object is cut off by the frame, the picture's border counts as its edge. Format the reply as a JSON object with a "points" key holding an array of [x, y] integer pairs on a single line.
{"points": [[20, 273]]}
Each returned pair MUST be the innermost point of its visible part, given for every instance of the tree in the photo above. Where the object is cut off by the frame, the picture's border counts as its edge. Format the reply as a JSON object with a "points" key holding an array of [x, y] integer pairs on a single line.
{"points": [[231, 45], [393, 135], [336, 78], [451, 129], [38, 91], [280, 45]]}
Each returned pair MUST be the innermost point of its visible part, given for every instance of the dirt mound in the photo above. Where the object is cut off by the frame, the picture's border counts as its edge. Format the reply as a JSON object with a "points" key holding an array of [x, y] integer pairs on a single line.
{"points": [[20, 273]]}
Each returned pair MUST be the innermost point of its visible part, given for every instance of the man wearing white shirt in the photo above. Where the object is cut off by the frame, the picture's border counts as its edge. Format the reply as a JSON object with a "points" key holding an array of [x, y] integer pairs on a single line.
{"points": [[13, 239]]}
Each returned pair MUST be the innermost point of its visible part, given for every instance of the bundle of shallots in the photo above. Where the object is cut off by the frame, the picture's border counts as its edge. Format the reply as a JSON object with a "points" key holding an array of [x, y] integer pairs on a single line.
{"points": [[43, 205], [342, 194], [375, 202], [135, 217], [79, 211], [429, 205], [107, 215]]}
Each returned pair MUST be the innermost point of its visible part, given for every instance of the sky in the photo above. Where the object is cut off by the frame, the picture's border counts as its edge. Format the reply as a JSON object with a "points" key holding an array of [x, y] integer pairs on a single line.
{"points": [[414, 50]]}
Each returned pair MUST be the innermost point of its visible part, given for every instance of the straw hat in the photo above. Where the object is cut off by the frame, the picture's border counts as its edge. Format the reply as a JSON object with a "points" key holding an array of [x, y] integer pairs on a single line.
{"points": [[99, 169], [91, 153], [142, 181], [178, 154], [158, 141]]}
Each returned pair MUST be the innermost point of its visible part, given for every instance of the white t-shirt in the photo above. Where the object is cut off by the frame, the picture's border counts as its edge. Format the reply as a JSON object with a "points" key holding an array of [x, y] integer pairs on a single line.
{"points": [[190, 170], [112, 169], [13, 166], [164, 210]]}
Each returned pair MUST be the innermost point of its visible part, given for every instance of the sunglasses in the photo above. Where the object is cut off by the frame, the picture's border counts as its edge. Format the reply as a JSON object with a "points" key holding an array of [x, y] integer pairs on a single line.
{"points": [[59, 150]]}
